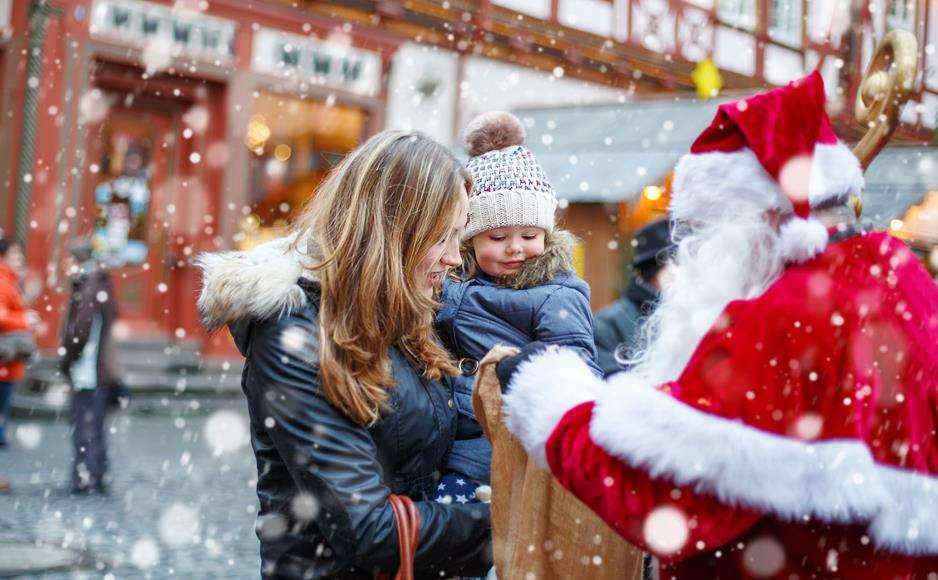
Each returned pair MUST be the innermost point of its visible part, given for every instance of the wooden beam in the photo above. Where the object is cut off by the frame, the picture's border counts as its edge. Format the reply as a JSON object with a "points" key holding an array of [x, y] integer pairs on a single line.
{"points": [[499, 33]]}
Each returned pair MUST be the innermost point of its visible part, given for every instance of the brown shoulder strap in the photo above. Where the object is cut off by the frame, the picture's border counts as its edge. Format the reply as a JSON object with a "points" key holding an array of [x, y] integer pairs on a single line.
{"points": [[408, 533]]}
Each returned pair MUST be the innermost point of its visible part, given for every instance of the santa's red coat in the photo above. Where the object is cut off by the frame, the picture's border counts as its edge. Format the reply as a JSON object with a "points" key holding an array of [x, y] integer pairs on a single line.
{"points": [[799, 442]]}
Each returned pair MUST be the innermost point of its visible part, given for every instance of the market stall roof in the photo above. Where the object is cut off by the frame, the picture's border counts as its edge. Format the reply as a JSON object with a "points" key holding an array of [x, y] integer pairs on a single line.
{"points": [[608, 153], [899, 177]]}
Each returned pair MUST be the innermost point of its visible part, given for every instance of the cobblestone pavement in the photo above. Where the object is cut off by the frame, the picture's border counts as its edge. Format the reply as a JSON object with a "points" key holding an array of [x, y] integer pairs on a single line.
{"points": [[182, 503]]}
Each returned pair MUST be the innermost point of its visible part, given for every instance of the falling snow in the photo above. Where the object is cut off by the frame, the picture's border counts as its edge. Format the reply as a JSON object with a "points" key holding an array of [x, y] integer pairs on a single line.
{"points": [[225, 432], [666, 530]]}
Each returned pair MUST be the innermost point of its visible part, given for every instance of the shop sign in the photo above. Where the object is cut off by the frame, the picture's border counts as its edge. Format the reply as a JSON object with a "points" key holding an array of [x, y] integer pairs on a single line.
{"points": [[141, 24], [323, 62]]}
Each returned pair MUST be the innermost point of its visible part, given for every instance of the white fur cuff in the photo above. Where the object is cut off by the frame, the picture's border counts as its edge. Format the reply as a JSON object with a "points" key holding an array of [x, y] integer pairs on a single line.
{"points": [[543, 389]]}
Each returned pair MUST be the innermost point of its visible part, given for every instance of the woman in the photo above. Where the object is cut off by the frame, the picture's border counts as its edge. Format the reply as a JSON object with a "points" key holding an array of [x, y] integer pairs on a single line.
{"points": [[348, 390]]}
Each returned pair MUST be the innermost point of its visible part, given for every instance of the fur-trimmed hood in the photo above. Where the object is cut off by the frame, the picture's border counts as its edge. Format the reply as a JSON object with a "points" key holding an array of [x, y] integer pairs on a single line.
{"points": [[557, 259], [256, 284]]}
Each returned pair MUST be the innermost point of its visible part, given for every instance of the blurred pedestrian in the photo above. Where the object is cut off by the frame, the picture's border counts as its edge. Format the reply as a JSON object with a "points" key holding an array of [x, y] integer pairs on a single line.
{"points": [[618, 326], [16, 340], [87, 364], [16, 323]]}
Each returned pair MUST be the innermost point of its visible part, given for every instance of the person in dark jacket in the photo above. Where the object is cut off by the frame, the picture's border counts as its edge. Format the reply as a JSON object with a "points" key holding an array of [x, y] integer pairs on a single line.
{"points": [[349, 393], [88, 365], [618, 325], [518, 281]]}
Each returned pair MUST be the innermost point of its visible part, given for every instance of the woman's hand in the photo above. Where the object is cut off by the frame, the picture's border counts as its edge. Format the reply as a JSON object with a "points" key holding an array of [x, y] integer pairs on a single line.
{"points": [[497, 354]]}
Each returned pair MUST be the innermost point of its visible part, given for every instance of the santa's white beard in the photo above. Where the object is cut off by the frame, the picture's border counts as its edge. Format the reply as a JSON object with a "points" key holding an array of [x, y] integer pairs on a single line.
{"points": [[714, 264]]}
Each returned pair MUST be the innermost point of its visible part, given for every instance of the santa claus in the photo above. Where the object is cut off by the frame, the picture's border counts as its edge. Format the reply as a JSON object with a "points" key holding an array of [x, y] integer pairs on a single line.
{"points": [[780, 420]]}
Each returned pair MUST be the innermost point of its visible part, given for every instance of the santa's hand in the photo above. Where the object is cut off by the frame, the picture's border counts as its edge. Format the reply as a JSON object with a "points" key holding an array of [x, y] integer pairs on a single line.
{"points": [[506, 368]]}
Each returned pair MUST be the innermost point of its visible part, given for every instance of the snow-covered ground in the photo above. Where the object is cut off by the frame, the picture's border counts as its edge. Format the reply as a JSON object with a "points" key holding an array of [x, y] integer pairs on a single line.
{"points": [[178, 507]]}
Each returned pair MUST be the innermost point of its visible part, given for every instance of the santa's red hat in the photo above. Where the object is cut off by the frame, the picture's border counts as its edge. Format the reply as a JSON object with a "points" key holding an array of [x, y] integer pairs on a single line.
{"points": [[775, 150]]}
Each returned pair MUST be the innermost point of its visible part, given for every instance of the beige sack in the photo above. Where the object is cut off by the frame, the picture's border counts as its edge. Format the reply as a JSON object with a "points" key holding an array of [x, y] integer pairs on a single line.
{"points": [[540, 531]]}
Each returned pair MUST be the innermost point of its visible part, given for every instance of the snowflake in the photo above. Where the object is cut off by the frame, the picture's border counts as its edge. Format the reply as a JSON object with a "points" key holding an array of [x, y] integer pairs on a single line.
{"points": [[225, 431], [157, 56], [93, 106], [29, 435], [145, 553], [179, 525], [764, 557], [304, 507], [665, 530]]}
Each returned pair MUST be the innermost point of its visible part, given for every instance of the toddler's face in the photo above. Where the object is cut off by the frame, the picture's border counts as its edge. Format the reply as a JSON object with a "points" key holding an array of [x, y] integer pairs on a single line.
{"points": [[502, 251]]}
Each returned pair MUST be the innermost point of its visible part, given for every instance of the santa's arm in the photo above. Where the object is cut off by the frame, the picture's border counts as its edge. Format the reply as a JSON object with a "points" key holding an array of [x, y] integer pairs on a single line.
{"points": [[717, 444], [552, 408]]}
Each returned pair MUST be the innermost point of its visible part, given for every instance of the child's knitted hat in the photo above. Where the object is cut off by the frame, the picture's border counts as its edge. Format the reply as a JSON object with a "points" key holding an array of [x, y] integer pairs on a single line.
{"points": [[510, 188]]}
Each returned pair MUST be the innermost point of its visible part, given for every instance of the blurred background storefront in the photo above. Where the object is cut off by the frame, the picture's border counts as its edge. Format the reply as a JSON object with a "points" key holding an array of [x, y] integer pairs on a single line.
{"points": [[165, 128]]}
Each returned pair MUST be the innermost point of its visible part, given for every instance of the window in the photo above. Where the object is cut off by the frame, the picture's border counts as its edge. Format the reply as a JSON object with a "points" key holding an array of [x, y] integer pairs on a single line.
{"points": [[785, 21], [901, 14], [294, 143], [738, 13]]}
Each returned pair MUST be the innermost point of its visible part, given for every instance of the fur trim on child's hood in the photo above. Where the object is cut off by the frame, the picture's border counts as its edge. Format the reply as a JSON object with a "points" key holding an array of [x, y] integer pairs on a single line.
{"points": [[557, 259]]}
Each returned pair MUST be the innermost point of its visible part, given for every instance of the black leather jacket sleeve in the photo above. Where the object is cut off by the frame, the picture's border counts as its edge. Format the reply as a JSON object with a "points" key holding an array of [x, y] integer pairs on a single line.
{"points": [[335, 461]]}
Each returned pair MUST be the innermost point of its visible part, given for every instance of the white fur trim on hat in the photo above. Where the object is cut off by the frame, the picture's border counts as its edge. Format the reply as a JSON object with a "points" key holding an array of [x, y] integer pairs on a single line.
{"points": [[707, 185], [835, 174]]}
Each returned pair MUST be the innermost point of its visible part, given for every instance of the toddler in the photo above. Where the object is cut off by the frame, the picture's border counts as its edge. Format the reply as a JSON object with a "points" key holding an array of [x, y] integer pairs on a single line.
{"points": [[517, 284]]}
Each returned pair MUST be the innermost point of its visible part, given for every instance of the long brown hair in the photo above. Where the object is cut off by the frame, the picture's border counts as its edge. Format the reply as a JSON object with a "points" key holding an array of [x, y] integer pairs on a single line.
{"points": [[369, 225]]}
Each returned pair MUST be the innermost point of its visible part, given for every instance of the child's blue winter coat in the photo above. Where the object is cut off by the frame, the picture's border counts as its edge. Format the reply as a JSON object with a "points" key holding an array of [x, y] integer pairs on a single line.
{"points": [[479, 313]]}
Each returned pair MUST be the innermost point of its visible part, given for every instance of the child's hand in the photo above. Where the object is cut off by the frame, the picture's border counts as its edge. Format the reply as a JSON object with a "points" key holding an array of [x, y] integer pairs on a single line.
{"points": [[497, 354]]}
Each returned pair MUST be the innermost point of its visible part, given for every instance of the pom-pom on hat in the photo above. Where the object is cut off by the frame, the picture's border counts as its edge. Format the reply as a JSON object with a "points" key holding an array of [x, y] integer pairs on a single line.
{"points": [[776, 150], [510, 188]]}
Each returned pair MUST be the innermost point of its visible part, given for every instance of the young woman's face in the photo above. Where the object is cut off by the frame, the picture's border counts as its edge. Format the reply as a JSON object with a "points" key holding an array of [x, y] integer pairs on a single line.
{"points": [[445, 253], [503, 251]]}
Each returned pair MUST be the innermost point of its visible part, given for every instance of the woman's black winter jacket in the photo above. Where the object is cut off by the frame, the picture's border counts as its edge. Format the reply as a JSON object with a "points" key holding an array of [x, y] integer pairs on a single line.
{"points": [[323, 481]]}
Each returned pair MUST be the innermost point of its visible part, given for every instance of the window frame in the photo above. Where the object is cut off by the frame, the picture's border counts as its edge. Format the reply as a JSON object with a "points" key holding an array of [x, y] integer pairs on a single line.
{"points": [[731, 13], [793, 34]]}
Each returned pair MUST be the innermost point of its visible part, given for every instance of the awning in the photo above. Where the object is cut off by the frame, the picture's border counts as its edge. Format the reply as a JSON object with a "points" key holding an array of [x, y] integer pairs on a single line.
{"points": [[609, 153], [898, 178]]}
